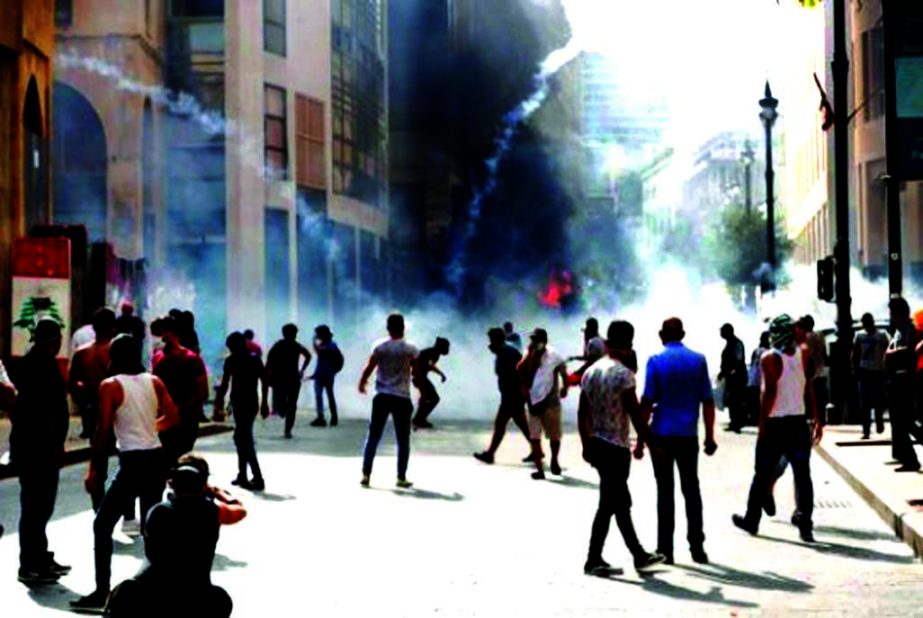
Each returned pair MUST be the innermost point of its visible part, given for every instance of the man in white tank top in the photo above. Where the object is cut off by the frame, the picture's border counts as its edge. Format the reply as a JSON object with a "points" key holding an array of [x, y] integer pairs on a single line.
{"points": [[135, 406], [787, 398]]}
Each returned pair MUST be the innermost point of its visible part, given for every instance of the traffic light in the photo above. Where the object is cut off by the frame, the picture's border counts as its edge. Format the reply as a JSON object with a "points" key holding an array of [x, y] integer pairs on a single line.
{"points": [[825, 289]]}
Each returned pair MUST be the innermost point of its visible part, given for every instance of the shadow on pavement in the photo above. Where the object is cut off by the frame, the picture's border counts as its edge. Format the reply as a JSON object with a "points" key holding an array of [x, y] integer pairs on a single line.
{"points": [[846, 551], [53, 596], [573, 481], [223, 563], [715, 595], [858, 535], [734, 577], [270, 497], [426, 494]]}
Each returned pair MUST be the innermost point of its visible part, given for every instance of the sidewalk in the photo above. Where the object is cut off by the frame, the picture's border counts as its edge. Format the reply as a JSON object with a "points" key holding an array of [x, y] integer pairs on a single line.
{"points": [[77, 449], [867, 466]]}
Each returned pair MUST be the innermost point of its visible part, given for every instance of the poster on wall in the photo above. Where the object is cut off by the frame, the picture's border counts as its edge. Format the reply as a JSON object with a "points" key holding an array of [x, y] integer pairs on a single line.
{"points": [[41, 288]]}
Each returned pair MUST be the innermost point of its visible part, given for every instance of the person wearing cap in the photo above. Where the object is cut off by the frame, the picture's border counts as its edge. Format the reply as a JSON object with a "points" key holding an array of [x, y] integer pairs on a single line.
{"points": [[734, 373], [180, 538], [39, 420], [135, 406], [329, 364], [284, 375], [244, 372], [900, 365], [594, 347], [608, 406], [183, 373], [427, 362], [676, 386], [391, 361], [783, 430], [540, 369], [512, 403]]}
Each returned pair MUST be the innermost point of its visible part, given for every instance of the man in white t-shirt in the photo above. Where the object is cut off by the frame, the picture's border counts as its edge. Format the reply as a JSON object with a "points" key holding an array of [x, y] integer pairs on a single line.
{"points": [[393, 359], [540, 370]]}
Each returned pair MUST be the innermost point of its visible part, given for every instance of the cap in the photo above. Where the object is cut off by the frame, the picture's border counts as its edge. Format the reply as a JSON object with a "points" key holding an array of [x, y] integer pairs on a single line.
{"points": [[539, 334]]}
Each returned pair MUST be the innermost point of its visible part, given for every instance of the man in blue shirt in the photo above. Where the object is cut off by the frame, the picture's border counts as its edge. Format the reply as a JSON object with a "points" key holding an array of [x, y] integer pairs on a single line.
{"points": [[675, 386]]}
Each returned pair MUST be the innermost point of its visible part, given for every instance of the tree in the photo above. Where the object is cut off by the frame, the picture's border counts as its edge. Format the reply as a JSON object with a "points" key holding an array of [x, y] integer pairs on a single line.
{"points": [[737, 247]]}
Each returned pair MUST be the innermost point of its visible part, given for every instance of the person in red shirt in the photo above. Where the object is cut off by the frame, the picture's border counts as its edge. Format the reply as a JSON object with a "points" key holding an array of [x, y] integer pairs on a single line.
{"points": [[183, 373]]}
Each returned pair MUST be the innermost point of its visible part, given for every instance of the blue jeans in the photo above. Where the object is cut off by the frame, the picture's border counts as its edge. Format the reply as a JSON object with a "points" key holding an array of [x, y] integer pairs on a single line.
{"points": [[400, 408], [322, 384]]}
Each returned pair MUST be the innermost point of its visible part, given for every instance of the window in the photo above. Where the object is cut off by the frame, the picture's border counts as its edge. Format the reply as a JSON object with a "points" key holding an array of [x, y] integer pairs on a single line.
{"points": [[274, 26], [873, 73], [63, 12], [358, 101], [310, 162], [276, 131], [197, 8]]}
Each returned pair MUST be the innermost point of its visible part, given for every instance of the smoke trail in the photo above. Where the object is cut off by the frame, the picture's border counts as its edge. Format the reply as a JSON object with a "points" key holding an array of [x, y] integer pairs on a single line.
{"points": [[181, 104], [512, 120]]}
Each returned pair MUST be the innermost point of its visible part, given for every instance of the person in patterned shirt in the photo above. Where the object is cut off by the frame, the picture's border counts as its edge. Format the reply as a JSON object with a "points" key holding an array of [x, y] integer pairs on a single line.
{"points": [[608, 403]]}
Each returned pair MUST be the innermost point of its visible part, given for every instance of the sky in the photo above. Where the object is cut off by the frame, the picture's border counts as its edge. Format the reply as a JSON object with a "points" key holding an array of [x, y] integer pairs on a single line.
{"points": [[708, 60]]}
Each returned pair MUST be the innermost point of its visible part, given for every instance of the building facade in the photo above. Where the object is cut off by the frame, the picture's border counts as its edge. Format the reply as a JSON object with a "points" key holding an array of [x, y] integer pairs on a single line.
{"points": [[804, 176], [26, 58], [245, 154], [868, 163]]}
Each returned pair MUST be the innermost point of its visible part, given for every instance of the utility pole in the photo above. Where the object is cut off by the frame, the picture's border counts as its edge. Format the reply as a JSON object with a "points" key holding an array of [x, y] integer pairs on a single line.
{"points": [[841, 200], [768, 115]]}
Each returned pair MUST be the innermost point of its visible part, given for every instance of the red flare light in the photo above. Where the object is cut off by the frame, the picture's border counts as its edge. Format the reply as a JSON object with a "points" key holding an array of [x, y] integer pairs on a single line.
{"points": [[560, 286]]}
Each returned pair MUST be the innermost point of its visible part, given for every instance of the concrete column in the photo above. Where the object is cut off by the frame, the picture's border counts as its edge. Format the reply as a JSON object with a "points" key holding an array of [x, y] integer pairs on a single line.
{"points": [[244, 165]]}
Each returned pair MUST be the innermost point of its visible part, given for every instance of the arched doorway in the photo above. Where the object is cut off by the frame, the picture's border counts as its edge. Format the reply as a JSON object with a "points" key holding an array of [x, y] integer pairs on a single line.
{"points": [[34, 161], [79, 163]]}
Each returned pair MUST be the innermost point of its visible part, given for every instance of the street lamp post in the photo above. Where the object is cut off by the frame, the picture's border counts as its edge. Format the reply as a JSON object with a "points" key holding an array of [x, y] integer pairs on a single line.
{"points": [[747, 157], [768, 115]]}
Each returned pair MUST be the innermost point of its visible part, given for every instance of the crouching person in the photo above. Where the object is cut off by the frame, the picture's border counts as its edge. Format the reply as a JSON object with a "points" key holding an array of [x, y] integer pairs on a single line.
{"points": [[179, 541]]}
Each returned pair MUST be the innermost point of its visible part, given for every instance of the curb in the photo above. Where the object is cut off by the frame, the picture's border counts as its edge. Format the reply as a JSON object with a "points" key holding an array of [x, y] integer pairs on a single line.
{"points": [[82, 453], [903, 519]]}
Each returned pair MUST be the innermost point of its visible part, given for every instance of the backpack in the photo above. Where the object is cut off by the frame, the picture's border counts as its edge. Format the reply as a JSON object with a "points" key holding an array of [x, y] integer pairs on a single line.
{"points": [[336, 360]]}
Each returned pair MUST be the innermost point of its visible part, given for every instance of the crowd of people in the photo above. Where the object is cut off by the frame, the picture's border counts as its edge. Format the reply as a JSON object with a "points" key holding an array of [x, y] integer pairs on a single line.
{"points": [[150, 419]]}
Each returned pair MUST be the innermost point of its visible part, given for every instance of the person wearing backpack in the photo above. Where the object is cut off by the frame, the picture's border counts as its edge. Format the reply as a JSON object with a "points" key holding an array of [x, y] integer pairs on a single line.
{"points": [[329, 363]]}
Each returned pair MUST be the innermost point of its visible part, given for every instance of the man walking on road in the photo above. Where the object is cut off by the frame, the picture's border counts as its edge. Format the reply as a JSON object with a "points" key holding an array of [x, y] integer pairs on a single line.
{"points": [[284, 376], [608, 402], [39, 429], [512, 403], [134, 406], [245, 374], [392, 358], [329, 364], [734, 373], [676, 385], [787, 400], [541, 367]]}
